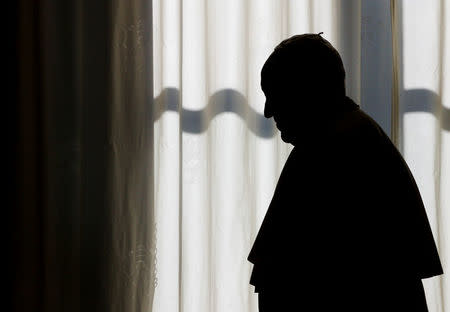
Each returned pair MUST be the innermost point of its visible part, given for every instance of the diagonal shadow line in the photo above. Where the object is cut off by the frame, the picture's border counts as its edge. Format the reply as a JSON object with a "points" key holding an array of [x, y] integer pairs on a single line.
{"points": [[226, 100]]}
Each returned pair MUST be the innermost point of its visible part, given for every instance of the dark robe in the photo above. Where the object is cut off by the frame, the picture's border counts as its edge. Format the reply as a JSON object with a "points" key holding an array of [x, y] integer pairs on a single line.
{"points": [[346, 225]]}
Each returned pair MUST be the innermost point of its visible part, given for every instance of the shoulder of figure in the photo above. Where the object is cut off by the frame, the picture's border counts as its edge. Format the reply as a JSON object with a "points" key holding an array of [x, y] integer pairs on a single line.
{"points": [[357, 125]]}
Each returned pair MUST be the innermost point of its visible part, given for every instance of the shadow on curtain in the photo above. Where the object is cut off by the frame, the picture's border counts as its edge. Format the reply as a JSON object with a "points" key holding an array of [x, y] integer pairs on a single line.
{"points": [[222, 101]]}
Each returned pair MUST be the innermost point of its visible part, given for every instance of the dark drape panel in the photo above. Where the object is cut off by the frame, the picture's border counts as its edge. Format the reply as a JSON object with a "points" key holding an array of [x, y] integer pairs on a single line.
{"points": [[27, 213], [82, 221]]}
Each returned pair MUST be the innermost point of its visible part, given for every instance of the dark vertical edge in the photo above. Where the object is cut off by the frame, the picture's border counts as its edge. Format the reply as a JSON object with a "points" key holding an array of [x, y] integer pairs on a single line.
{"points": [[147, 283], [12, 191], [60, 128], [96, 148], [399, 69], [151, 176], [27, 280], [395, 72], [376, 65], [77, 10]]}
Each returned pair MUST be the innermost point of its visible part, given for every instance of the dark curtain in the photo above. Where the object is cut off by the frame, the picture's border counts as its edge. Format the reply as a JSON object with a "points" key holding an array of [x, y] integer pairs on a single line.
{"points": [[81, 160]]}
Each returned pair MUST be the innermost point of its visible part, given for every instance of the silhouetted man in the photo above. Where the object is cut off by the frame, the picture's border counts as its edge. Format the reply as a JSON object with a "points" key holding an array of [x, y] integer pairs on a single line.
{"points": [[346, 229]]}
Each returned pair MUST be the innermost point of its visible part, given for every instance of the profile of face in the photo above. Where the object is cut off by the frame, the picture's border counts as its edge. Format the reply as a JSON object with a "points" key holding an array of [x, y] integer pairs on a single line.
{"points": [[302, 77], [290, 107]]}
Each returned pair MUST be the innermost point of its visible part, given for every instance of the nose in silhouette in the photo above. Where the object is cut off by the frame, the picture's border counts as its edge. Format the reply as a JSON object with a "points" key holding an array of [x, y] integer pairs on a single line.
{"points": [[268, 110]]}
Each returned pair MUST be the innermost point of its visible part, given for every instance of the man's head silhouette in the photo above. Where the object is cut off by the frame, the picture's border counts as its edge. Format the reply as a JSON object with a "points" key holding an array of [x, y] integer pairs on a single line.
{"points": [[304, 84]]}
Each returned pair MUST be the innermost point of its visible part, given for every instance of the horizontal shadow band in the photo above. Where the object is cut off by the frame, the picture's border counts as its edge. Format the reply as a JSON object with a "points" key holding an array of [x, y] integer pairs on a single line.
{"points": [[229, 100]]}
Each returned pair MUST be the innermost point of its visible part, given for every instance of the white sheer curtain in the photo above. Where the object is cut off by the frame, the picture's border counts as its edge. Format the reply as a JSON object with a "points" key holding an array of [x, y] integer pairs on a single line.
{"points": [[217, 159], [422, 98]]}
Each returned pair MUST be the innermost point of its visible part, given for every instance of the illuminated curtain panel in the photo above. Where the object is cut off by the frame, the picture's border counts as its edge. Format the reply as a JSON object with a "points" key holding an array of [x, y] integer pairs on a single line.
{"points": [[423, 119], [217, 158]]}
